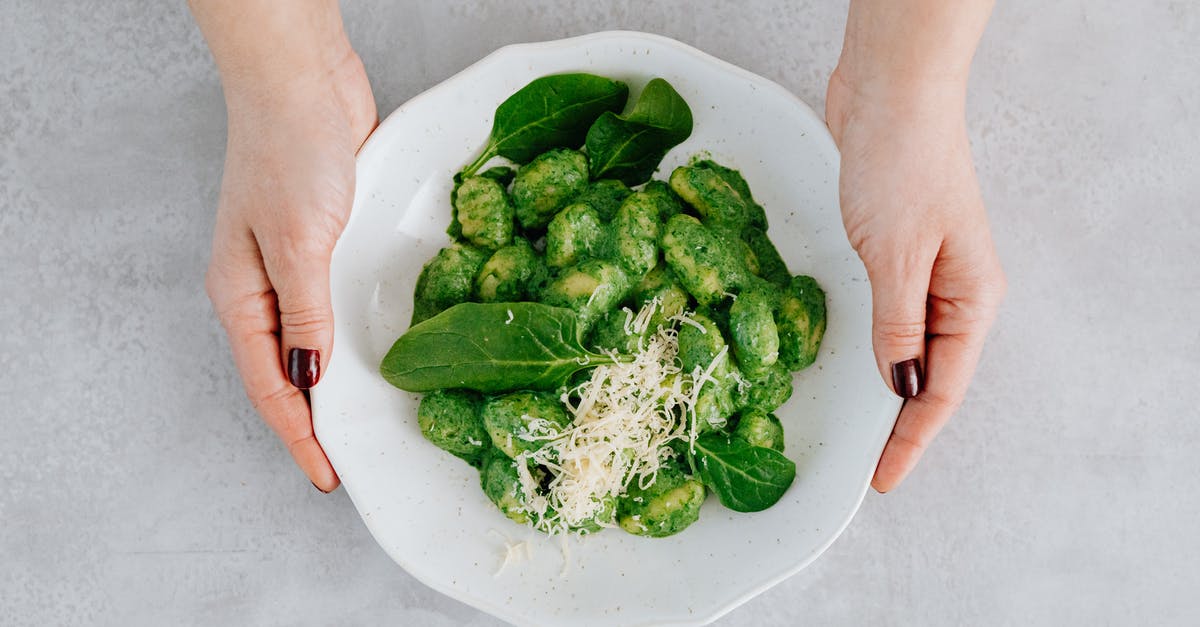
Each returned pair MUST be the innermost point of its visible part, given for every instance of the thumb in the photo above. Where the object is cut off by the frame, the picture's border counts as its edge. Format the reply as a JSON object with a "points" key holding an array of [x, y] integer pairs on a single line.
{"points": [[899, 294], [300, 276]]}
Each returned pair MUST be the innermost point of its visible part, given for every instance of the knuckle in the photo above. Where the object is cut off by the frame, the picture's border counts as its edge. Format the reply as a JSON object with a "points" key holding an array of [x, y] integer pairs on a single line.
{"points": [[940, 400], [243, 314], [267, 402], [899, 332], [274, 406], [297, 440], [301, 234], [307, 245], [294, 254], [914, 443], [305, 319]]}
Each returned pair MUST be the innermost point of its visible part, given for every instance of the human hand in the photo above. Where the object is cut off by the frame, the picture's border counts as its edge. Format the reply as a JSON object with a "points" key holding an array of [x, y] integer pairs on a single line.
{"points": [[285, 198], [913, 211]]}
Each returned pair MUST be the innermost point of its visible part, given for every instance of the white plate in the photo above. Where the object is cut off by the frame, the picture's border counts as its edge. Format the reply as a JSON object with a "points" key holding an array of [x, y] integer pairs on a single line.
{"points": [[425, 508]]}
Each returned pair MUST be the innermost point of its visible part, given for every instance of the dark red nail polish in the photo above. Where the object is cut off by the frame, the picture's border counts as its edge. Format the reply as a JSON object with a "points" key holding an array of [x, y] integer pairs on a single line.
{"points": [[304, 367], [907, 377]]}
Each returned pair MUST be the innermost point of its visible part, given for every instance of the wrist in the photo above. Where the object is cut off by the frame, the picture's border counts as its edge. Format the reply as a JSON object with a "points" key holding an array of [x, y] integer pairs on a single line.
{"points": [[902, 68], [910, 51], [280, 75], [263, 47], [887, 102], [897, 91]]}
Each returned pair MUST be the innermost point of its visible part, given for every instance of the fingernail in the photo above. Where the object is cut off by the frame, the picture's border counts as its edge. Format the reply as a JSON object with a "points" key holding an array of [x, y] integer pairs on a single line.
{"points": [[304, 367], [907, 377], [318, 487]]}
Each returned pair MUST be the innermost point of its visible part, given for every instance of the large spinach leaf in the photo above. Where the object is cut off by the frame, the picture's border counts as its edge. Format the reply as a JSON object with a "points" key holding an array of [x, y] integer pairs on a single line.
{"points": [[745, 478], [492, 347], [550, 112], [630, 147]]}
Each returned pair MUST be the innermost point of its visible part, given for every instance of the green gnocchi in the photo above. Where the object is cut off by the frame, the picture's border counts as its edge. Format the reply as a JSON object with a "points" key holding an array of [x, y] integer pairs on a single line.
{"points": [[682, 266]]}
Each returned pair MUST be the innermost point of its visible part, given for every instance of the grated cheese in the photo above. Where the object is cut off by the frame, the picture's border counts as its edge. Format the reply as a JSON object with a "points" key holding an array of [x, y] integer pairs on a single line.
{"points": [[741, 381], [622, 420], [623, 417], [688, 320], [699, 378], [514, 552]]}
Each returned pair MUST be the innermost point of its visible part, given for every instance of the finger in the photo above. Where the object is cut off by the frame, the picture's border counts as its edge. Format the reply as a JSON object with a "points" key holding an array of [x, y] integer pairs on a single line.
{"points": [[299, 272], [950, 361], [899, 297], [241, 293], [970, 275]]}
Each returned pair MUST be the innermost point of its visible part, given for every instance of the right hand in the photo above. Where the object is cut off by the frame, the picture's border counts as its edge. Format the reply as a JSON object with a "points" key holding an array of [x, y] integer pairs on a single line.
{"points": [[285, 198]]}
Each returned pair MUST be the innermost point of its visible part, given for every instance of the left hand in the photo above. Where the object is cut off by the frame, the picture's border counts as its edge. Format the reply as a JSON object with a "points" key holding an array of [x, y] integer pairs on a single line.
{"points": [[912, 209]]}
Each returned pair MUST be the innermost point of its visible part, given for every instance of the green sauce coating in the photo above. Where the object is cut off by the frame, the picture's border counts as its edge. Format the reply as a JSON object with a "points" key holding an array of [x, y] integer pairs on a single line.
{"points": [[591, 289], [605, 197], [702, 260], [717, 202], [760, 429], [509, 274], [573, 235], [609, 333], [446, 280], [697, 350], [484, 213], [509, 417], [771, 265], [756, 216], [546, 185], [732, 240], [752, 328], [801, 322], [500, 482], [635, 232], [663, 508], [673, 299], [450, 419], [669, 203], [767, 391]]}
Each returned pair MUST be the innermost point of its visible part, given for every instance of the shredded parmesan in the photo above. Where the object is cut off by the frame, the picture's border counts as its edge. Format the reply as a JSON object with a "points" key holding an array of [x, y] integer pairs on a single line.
{"points": [[688, 320], [566, 556], [622, 420], [514, 552], [510, 317], [699, 378], [741, 381]]}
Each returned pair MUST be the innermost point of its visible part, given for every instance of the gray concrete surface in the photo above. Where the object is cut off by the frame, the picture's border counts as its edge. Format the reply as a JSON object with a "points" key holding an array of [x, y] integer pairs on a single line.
{"points": [[138, 488]]}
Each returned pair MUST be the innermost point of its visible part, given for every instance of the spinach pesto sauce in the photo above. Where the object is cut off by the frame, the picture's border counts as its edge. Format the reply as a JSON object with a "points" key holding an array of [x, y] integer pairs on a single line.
{"points": [[607, 349]]}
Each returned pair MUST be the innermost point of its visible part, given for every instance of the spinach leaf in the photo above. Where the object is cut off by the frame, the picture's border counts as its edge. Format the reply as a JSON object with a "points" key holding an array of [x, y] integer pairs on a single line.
{"points": [[493, 347], [550, 112], [745, 478], [629, 148]]}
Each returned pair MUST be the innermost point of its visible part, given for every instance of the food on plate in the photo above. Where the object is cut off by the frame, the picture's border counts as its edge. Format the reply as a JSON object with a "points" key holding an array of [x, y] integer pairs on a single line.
{"points": [[604, 347]]}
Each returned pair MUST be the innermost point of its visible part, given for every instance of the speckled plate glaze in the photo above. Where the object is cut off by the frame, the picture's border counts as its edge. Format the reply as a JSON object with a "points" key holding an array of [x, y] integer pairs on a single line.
{"points": [[425, 508]]}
